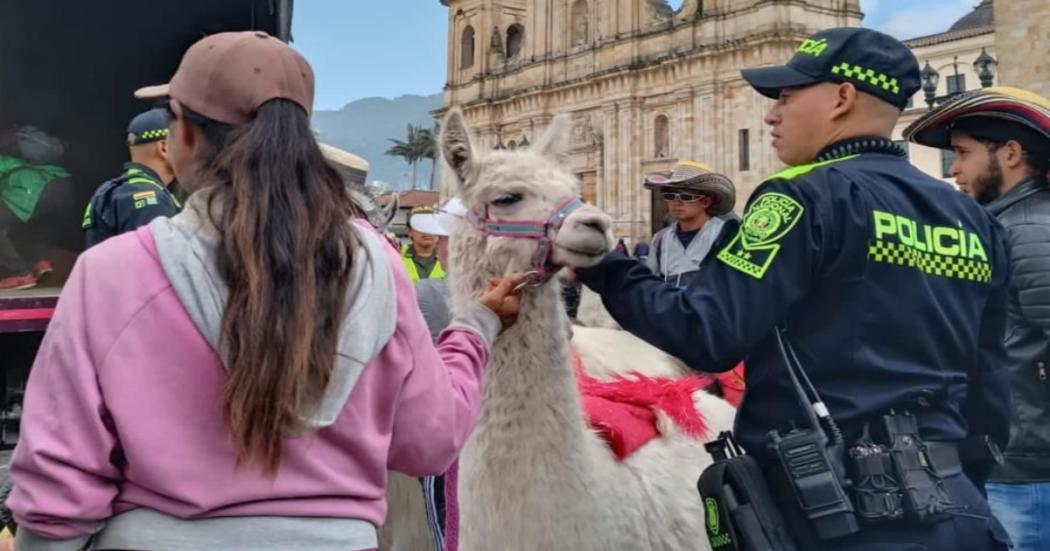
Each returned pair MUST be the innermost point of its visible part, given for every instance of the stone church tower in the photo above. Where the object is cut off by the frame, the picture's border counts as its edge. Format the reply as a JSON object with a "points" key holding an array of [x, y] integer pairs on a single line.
{"points": [[1024, 26], [647, 82]]}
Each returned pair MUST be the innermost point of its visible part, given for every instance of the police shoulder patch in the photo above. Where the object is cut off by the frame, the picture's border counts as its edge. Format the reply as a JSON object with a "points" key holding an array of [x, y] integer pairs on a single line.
{"points": [[144, 198], [771, 217]]}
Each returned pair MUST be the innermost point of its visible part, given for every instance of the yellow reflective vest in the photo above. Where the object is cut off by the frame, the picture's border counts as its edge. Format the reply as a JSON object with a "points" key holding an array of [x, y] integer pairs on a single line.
{"points": [[410, 265]]}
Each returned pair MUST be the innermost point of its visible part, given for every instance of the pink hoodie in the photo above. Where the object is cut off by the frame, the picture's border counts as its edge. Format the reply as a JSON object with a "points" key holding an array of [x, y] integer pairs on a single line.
{"points": [[122, 414]]}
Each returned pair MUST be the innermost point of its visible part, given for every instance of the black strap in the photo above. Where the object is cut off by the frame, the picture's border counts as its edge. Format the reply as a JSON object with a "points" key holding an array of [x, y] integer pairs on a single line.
{"points": [[809, 399]]}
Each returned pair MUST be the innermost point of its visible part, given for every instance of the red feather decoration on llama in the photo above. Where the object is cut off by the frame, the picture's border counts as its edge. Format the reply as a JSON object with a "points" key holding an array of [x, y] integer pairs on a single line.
{"points": [[623, 410]]}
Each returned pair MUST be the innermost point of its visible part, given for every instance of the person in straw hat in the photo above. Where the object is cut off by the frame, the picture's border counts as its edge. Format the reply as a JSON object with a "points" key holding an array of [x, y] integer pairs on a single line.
{"points": [[1001, 140], [701, 202]]}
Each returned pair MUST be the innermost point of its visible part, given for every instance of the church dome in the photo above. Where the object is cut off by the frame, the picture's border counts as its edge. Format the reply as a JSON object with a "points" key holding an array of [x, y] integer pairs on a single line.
{"points": [[981, 16]]}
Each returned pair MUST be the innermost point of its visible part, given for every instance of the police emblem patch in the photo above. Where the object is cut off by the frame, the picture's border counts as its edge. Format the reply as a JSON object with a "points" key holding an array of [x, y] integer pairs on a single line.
{"points": [[756, 245], [719, 538], [712, 516]]}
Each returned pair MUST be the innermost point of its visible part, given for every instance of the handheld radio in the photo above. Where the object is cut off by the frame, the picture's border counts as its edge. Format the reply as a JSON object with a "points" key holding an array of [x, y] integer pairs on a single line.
{"points": [[814, 464]]}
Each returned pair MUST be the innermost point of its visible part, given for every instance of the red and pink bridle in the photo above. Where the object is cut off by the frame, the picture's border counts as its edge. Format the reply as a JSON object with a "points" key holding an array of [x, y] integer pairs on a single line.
{"points": [[539, 230]]}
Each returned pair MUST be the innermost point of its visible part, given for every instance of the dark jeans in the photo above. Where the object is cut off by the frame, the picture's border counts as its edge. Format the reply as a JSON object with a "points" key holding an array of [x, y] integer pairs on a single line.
{"points": [[24, 243], [434, 500], [972, 529]]}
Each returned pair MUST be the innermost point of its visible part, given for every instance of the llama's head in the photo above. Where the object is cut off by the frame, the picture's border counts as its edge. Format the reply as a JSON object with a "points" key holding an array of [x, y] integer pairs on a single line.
{"points": [[525, 213]]}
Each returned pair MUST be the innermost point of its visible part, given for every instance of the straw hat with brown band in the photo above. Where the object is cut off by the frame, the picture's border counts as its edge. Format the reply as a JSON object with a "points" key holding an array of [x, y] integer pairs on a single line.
{"points": [[698, 177]]}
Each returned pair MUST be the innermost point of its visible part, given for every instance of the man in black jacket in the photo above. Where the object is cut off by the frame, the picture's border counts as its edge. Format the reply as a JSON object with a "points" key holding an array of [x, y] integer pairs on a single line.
{"points": [[890, 286], [1001, 139]]}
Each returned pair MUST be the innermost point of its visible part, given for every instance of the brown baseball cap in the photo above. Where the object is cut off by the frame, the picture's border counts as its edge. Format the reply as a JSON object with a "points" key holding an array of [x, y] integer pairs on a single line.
{"points": [[227, 76]]}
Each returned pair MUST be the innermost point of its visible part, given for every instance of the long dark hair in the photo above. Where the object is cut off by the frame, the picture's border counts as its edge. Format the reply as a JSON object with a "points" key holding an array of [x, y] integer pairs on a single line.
{"points": [[282, 214]]}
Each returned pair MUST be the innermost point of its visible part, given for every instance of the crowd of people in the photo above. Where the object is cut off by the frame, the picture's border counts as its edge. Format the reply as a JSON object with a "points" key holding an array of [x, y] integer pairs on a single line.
{"points": [[262, 356]]}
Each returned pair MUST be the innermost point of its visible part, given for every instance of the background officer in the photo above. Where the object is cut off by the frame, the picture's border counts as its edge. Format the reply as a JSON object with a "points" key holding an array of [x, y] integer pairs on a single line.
{"points": [[144, 191], [1001, 139], [890, 286], [420, 254]]}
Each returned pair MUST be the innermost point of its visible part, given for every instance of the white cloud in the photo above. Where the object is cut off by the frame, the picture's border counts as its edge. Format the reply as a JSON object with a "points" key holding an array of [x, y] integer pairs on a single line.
{"points": [[925, 19]]}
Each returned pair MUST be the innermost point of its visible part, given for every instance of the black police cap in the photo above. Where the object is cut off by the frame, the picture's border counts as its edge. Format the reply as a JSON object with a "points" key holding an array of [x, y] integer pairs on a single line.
{"points": [[151, 126], [875, 63]]}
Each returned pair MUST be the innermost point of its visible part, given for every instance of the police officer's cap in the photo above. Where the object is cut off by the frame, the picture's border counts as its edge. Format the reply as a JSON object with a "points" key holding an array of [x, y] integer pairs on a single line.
{"points": [[875, 63], [151, 126], [1000, 114]]}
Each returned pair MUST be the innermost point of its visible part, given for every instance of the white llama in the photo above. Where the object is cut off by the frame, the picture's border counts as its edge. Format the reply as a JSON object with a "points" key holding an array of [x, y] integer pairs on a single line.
{"points": [[533, 476]]}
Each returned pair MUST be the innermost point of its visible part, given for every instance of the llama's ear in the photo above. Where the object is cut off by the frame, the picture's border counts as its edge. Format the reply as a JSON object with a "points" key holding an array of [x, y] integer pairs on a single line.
{"points": [[457, 146], [389, 212], [554, 143]]}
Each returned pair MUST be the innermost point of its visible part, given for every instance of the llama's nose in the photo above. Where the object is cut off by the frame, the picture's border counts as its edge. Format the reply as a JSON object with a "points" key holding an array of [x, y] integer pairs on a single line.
{"points": [[594, 221]]}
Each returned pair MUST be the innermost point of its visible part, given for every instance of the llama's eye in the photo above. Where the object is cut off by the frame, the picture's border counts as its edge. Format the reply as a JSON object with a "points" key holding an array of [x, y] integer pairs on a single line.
{"points": [[506, 200]]}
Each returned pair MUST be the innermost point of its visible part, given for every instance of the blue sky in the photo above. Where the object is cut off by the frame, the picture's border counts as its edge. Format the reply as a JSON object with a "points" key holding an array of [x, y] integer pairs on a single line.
{"points": [[387, 48]]}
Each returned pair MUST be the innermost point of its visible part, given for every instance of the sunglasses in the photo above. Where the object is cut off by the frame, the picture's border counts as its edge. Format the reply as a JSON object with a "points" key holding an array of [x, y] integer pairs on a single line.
{"points": [[683, 197]]}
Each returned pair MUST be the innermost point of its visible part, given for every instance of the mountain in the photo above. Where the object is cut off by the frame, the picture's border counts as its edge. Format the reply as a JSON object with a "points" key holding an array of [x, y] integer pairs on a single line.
{"points": [[364, 127]]}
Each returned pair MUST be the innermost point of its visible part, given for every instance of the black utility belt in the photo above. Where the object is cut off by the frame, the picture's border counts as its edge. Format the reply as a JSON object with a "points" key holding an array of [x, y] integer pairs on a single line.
{"points": [[902, 482], [898, 479]]}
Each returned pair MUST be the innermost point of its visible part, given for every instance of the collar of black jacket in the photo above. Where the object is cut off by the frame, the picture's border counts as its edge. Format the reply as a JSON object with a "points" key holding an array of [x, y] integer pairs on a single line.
{"points": [[148, 172], [1019, 193], [860, 145]]}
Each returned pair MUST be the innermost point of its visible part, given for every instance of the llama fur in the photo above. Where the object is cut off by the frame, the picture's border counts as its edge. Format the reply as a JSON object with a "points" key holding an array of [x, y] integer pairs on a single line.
{"points": [[533, 475]]}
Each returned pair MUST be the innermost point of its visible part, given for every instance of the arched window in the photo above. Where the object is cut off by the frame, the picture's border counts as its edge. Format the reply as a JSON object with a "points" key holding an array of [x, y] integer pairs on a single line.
{"points": [[466, 45], [580, 23], [661, 137], [515, 37]]}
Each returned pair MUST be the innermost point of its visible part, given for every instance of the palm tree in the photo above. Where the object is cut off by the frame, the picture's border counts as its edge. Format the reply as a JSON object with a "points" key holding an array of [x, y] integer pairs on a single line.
{"points": [[409, 149], [428, 149]]}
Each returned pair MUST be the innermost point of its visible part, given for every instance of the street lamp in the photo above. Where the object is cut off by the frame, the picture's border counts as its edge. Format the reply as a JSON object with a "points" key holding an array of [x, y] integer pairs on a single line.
{"points": [[985, 66], [930, 77]]}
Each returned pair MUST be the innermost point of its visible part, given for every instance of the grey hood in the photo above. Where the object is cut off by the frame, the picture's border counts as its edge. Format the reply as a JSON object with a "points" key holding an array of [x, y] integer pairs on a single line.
{"points": [[187, 245]]}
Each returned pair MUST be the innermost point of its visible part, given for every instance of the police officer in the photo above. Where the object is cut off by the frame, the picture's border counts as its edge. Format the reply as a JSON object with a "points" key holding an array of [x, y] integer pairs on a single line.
{"points": [[420, 254], [144, 191], [889, 285], [1001, 139]]}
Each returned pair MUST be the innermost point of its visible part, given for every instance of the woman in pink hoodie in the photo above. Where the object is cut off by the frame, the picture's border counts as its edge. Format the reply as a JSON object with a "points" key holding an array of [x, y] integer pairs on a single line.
{"points": [[241, 376]]}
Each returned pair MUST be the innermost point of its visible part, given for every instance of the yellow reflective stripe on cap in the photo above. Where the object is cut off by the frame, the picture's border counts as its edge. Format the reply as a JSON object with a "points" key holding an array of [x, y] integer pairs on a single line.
{"points": [[149, 134], [870, 76]]}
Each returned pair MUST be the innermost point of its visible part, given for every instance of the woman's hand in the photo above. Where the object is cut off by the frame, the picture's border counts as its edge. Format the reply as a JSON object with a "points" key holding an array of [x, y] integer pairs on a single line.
{"points": [[501, 298]]}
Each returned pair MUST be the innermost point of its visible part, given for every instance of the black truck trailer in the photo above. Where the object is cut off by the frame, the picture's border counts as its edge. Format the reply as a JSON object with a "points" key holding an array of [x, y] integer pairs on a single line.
{"points": [[69, 68]]}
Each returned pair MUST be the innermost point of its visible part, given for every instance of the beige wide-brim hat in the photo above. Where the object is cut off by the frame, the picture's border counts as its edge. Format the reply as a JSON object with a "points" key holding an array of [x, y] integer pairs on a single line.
{"points": [[698, 177]]}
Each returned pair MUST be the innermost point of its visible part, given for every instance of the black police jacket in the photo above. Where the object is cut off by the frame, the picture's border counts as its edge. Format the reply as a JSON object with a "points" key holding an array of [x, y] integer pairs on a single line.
{"points": [[1025, 213], [124, 203], [891, 286]]}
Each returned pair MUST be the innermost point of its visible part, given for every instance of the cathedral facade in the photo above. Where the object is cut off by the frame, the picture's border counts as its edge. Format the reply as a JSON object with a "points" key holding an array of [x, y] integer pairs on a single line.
{"points": [[646, 82]]}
